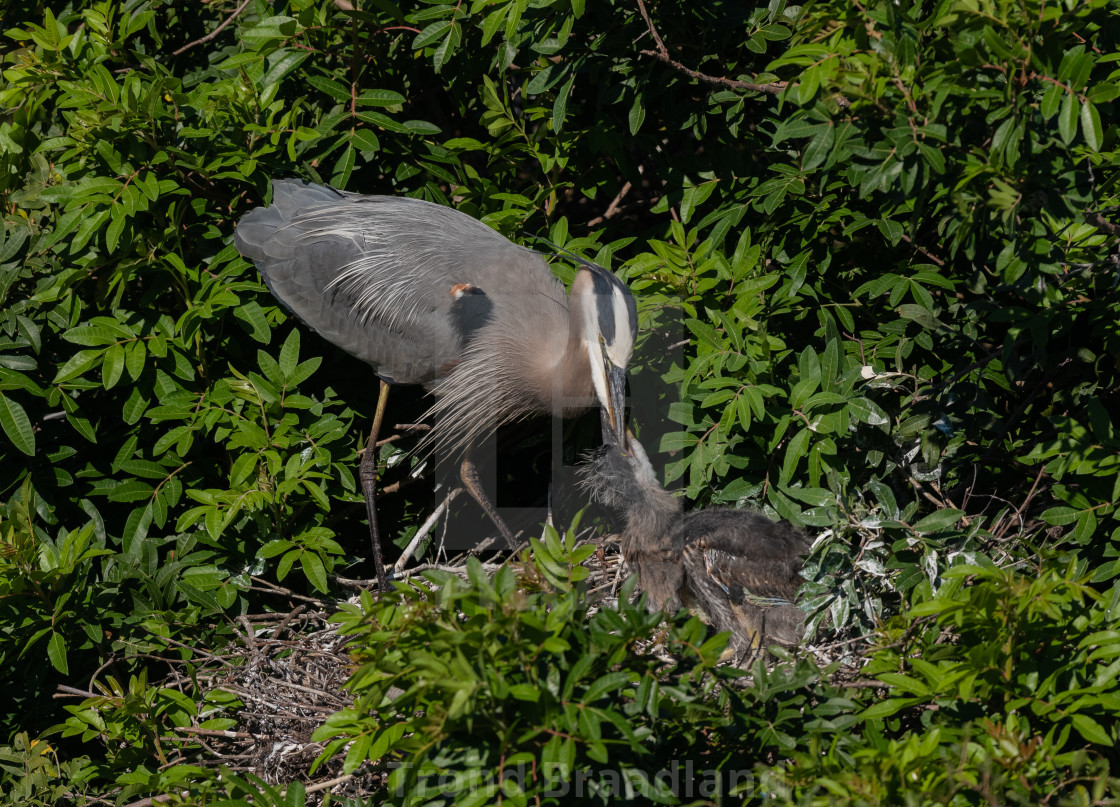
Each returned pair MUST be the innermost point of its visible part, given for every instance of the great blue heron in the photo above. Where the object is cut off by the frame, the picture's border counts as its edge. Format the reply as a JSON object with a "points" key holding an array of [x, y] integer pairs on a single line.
{"points": [[428, 295], [737, 568]]}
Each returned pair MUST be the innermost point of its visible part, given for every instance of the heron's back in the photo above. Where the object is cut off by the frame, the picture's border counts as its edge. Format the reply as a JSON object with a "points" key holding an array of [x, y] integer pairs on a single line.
{"points": [[400, 283]]}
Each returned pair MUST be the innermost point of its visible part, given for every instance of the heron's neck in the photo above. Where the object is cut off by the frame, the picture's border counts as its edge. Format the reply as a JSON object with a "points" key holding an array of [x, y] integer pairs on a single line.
{"points": [[558, 364]]}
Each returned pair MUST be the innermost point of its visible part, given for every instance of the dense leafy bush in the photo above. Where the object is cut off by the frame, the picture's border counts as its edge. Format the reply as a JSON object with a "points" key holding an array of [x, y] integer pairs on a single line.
{"points": [[886, 231], [1018, 707], [513, 693]]}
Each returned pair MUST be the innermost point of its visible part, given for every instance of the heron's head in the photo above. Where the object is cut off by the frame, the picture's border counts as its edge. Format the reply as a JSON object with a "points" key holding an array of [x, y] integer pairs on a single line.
{"points": [[608, 325]]}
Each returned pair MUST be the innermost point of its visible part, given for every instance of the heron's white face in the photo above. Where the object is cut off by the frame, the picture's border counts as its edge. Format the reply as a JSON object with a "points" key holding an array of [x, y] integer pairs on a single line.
{"points": [[608, 338], [609, 325]]}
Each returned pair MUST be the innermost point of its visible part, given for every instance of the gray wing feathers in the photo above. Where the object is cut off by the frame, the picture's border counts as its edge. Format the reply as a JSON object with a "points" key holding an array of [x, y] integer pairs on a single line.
{"points": [[374, 274]]}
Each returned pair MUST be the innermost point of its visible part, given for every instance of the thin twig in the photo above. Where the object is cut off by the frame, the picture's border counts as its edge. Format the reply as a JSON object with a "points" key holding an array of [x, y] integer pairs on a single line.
{"points": [[329, 783], [923, 250], [239, 735], [422, 533], [65, 691], [213, 33], [272, 588], [612, 208], [148, 802], [652, 30]]}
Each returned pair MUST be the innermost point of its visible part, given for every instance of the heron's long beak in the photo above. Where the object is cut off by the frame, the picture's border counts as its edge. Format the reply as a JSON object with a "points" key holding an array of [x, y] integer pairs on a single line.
{"points": [[613, 414]]}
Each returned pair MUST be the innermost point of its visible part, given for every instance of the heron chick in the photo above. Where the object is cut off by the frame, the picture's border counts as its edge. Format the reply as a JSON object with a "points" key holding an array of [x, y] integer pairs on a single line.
{"points": [[429, 295], [737, 569]]}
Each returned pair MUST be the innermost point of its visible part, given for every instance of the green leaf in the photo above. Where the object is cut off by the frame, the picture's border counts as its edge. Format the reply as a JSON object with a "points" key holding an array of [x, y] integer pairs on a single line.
{"points": [[940, 520], [493, 23], [379, 98], [431, 33], [637, 114], [382, 120], [135, 355], [869, 412], [56, 652], [1091, 730], [421, 127], [560, 106], [886, 708], [16, 425], [611, 682], [113, 366], [1051, 100], [77, 364], [131, 491], [243, 466], [315, 570], [891, 230], [808, 84], [252, 315], [1060, 516], [794, 452], [289, 357], [365, 140], [343, 167], [447, 47], [1091, 126], [818, 149], [1067, 118], [134, 407]]}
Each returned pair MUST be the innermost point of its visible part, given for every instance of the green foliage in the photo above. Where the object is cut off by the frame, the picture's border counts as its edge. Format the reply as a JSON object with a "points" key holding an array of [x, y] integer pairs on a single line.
{"points": [[34, 775], [515, 685], [895, 276], [1018, 706]]}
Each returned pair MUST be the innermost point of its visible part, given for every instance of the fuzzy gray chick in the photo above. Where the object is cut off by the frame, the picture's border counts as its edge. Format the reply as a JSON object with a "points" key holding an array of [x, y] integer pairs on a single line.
{"points": [[737, 569]]}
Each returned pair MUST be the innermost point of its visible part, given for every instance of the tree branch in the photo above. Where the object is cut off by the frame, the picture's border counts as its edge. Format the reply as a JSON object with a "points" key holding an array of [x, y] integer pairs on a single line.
{"points": [[662, 55], [213, 33], [612, 208], [733, 83], [1101, 223]]}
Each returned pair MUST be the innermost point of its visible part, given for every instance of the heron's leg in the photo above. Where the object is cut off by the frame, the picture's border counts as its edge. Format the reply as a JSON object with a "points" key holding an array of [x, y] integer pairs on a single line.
{"points": [[367, 471], [469, 474]]}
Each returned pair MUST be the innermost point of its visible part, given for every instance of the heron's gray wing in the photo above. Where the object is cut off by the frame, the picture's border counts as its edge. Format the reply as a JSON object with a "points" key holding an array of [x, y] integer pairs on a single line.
{"points": [[398, 282]]}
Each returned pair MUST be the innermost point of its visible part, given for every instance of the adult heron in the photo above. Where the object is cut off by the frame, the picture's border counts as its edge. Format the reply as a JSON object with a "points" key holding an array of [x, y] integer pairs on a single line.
{"points": [[429, 295], [737, 568]]}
